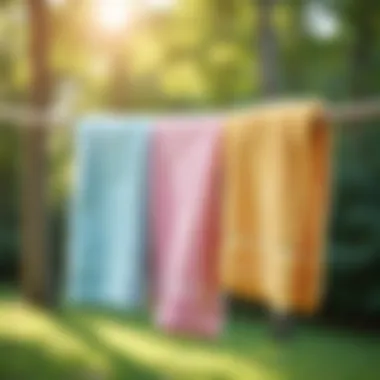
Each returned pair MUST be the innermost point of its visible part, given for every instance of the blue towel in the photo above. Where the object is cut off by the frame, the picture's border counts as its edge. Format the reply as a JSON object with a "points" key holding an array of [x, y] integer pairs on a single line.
{"points": [[108, 225]]}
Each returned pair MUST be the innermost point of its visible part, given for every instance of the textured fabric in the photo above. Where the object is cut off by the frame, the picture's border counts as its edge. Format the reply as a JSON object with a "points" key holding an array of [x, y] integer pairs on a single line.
{"points": [[185, 203], [275, 206], [107, 231]]}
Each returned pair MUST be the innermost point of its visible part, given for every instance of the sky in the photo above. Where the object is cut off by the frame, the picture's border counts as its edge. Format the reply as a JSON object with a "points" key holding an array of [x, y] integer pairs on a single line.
{"points": [[321, 21]]}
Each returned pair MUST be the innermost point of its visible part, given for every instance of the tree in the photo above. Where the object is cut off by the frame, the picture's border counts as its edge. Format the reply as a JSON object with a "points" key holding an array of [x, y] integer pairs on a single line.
{"points": [[268, 48], [34, 159]]}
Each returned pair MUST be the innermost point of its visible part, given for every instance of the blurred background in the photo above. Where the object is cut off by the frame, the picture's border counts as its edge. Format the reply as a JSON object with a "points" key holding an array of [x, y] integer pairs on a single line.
{"points": [[166, 55]]}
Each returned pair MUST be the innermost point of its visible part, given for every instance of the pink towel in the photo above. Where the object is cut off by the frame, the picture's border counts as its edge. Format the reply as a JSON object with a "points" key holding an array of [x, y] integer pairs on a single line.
{"points": [[185, 202]]}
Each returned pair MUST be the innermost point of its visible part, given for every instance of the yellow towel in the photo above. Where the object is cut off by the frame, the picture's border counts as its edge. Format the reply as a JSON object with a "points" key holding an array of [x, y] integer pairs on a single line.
{"points": [[275, 205]]}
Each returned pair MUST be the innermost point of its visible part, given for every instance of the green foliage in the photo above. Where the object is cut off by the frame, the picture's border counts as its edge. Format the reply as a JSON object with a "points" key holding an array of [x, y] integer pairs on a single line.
{"points": [[354, 257], [9, 220]]}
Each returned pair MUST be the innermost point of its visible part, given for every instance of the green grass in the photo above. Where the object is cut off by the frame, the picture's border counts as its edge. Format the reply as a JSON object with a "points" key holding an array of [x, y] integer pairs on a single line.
{"points": [[82, 344]]}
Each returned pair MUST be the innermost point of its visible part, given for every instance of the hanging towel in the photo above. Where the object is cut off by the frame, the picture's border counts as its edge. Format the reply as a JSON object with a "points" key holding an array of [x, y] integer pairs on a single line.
{"points": [[185, 204], [275, 206], [107, 231]]}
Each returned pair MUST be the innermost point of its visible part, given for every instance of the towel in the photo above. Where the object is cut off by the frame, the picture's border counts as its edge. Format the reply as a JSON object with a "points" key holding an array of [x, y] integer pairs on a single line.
{"points": [[275, 206], [108, 225], [185, 225]]}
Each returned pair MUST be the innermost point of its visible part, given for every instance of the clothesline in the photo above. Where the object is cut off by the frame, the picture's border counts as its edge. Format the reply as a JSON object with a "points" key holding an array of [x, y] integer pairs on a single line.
{"points": [[162, 233], [27, 116]]}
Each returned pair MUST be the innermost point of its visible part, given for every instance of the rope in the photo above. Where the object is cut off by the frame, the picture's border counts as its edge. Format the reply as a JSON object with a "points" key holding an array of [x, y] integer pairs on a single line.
{"points": [[26, 116]]}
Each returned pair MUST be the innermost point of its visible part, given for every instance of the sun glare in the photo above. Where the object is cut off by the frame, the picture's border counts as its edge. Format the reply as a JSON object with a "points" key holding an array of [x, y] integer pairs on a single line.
{"points": [[113, 15]]}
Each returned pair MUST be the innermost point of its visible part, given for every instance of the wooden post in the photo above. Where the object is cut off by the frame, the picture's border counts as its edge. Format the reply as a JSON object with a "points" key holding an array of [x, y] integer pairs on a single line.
{"points": [[34, 253]]}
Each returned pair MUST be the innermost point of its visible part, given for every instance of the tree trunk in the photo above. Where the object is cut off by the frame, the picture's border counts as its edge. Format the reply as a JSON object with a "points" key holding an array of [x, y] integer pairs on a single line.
{"points": [[270, 86], [363, 20], [34, 255], [268, 49]]}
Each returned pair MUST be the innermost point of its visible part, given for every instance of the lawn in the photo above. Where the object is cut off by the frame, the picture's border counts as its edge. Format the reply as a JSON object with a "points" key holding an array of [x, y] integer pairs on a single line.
{"points": [[80, 344]]}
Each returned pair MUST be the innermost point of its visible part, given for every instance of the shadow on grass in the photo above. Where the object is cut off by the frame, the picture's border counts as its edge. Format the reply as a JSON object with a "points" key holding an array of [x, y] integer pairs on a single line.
{"points": [[246, 351], [26, 360], [98, 345], [126, 340], [121, 367]]}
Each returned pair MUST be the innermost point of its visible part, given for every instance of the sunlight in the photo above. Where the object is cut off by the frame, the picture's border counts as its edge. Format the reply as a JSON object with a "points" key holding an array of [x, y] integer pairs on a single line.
{"points": [[168, 356], [113, 15], [22, 323], [160, 4], [56, 3]]}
